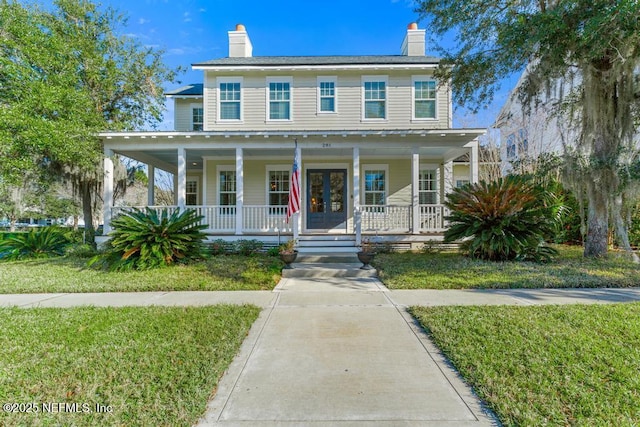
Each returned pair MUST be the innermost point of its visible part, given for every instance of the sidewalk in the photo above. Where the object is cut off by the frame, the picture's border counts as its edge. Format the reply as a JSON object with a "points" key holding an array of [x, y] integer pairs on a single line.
{"points": [[338, 351]]}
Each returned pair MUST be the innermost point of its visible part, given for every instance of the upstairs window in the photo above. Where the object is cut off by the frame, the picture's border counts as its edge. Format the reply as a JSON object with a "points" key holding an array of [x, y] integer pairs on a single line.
{"points": [[326, 95], [375, 99], [424, 99], [230, 103], [280, 100], [511, 146], [197, 118]]}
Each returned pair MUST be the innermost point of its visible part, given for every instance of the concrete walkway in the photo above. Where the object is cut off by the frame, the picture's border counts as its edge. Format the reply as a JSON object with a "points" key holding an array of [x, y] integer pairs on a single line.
{"points": [[338, 351]]}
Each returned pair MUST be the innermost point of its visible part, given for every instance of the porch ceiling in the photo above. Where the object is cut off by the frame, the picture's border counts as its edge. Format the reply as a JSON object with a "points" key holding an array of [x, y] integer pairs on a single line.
{"points": [[167, 159]]}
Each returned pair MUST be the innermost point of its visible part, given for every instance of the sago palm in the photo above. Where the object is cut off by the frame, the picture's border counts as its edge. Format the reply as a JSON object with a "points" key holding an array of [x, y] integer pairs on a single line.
{"points": [[503, 220], [143, 239]]}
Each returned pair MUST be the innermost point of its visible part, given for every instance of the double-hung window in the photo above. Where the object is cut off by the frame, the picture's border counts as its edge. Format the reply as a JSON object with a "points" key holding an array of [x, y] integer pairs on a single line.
{"points": [[230, 98], [227, 189], [279, 100], [428, 186], [375, 98], [278, 189], [424, 98], [327, 95], [192, 192], [197, 118], [375, 185]]}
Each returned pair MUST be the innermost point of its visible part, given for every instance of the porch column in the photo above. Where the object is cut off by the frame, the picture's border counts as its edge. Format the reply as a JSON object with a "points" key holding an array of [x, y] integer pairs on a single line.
{"points": [[473, 162], [297, 224], [448, 177], [182, 178], [151, 185], [415, 192], [357, 218], [107, 191], [239, 189]]}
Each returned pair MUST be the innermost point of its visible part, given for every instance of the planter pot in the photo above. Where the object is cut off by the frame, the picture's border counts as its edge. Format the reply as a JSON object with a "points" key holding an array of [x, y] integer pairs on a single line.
{"points": [[366, 258], [288, 258]]}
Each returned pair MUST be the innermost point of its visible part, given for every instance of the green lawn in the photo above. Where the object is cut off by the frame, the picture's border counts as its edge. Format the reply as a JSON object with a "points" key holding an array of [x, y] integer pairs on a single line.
{"points": [[454, 271], [153, 366], [546, 365], [233, 272]]}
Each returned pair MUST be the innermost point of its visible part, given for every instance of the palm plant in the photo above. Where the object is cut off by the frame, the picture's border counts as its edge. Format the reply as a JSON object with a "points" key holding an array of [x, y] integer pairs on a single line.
{"points": [[504, 220], [37, 243], [143, 239]]}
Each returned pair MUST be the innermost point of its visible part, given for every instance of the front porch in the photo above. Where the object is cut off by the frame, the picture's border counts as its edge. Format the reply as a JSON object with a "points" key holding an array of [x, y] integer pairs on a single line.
{"points": [[389, 184]]}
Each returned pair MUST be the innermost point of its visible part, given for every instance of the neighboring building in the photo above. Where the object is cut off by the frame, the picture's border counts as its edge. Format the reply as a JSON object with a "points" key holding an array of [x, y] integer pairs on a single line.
{"points": [[527, 133], [373, 132]]}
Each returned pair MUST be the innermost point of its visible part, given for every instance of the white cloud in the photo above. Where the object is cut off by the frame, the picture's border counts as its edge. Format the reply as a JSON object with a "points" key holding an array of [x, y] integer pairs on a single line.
{"points": [[186, 17], [202, 10]]}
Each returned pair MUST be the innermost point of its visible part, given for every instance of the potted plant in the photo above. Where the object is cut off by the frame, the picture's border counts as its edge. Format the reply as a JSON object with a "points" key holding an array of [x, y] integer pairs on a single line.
{"points": [[366, 254], [288, 252]]}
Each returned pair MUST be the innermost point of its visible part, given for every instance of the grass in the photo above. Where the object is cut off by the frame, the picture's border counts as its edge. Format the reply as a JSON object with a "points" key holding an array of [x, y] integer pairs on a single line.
{"points": [[233, 272], [546, 365], [150, 365], [454, 271]]}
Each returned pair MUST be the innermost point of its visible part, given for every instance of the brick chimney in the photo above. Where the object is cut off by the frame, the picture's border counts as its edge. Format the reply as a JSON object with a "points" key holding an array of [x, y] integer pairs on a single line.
{"points": [[414, 44], [239, 43]]}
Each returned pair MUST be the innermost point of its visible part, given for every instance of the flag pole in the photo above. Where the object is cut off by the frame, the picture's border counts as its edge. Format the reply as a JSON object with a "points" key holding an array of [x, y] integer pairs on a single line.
{"points": [[296, 215]]}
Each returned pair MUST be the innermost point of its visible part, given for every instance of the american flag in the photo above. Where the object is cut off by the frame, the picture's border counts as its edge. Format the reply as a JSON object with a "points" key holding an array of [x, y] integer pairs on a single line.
{"points": [[294, 186]]}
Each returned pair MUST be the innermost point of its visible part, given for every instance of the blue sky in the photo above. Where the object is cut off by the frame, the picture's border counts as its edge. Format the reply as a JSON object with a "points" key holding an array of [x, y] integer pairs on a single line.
{"points": [[196, 30]]}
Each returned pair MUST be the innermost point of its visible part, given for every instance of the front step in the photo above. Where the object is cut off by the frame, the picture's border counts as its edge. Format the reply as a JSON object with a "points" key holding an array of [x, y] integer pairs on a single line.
{"points": [[326, 270], [327, 244]]}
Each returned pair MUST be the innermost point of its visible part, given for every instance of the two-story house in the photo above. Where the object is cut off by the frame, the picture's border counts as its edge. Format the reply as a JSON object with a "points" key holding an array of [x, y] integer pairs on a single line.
{"points": [[373, 134]]}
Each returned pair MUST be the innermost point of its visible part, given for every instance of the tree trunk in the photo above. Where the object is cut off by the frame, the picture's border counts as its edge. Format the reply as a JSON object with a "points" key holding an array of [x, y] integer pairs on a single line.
{"points": [[621, 228], [595, 244], [87, 212]]}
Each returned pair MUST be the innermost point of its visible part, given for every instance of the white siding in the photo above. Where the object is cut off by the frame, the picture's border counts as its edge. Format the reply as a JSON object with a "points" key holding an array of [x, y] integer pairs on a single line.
{"points": [[304, 103]]}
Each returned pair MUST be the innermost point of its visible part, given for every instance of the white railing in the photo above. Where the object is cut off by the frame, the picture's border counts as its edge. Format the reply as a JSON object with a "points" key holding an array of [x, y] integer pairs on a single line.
{"points": [[386, 218], [272, 219], [432, 218], [265, 219], [261, 219]]}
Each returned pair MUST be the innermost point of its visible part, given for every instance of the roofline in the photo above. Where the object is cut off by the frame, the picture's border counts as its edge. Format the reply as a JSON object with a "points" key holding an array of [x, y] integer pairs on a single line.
{"points": [[303, 134], [167, 95], [231, 67]]}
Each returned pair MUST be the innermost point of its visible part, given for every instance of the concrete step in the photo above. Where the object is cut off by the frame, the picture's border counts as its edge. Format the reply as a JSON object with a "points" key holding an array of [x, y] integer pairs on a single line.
{"points": [[326, 250], [323, 258], [327, 243], [320, 270]]}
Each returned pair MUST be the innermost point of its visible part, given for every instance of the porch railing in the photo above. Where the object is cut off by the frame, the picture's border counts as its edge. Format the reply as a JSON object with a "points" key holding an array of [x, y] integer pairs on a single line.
{"points": [[432, 218], [261, 219], [272, 219], [386, 218]]}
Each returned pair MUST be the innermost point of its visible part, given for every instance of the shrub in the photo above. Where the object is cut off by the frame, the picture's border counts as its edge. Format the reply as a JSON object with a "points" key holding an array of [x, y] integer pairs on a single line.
{"points": [[504, 220], [40, 243], [274, 251], [247, 247], [143, 239], [220, 247], [80, 250]]}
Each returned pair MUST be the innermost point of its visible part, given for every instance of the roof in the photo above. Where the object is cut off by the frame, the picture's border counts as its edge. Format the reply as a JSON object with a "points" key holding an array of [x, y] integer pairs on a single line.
{"points": [[194, 89], [274, 61]]}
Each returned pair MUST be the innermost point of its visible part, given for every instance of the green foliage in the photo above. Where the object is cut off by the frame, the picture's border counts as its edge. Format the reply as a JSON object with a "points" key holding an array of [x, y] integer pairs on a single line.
{"points": [[219, 247], [503, 220], [274, 251], [247, 247], [143, 239], [36, 243], [80, 250]]}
